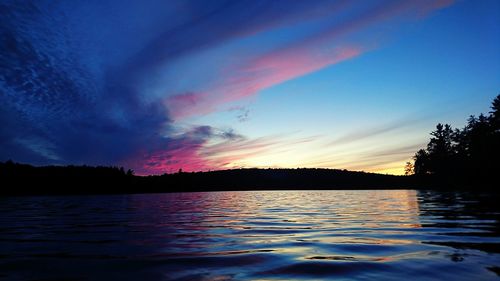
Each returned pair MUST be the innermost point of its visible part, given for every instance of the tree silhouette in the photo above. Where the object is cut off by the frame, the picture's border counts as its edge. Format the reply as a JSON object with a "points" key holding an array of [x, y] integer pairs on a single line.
{"points": [[421, 159], [440, 149], [409, 168], [468, 155], [495, 114]]}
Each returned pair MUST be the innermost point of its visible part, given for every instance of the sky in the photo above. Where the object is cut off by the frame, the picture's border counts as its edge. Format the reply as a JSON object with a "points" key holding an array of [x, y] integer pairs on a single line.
{"points": [[157, 86]]}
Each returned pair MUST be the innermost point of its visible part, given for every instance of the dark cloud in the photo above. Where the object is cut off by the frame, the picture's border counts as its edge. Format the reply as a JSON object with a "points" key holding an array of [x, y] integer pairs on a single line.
{"points": [[230, 134], [52, 110], [242, 113]]}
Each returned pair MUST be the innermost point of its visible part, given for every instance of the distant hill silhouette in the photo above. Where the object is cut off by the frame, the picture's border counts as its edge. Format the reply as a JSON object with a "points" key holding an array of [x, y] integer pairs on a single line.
{"points": [[19, 179]]}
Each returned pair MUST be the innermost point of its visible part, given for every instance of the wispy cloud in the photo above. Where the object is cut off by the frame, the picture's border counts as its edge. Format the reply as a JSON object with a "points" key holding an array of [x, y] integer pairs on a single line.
{"points": [[331, 45], [371, 159], [206, 148], [370, 132]]}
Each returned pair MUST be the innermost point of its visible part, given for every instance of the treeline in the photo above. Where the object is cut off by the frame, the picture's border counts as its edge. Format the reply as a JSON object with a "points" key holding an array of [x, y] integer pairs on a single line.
{"points": [[24, 179], [20, 179], [300, 178], [462, 157], [10, 169]]}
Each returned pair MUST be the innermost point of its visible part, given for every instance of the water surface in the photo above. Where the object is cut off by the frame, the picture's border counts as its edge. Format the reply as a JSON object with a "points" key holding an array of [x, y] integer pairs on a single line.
{"points": [[259, 235]]}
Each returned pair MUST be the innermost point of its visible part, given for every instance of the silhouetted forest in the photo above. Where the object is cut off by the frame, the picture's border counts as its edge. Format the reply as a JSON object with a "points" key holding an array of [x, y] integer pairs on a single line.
{"points": [[462, 157], [22, 179]]}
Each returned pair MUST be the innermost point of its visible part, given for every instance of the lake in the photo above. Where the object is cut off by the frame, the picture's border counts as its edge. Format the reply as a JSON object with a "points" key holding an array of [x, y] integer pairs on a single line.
{"points": [[255, 235]]}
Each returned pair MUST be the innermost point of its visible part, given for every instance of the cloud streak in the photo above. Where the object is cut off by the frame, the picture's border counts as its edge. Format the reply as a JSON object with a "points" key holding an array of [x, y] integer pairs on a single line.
{"points": [[329, 46], [262, 73], [207, 148]]}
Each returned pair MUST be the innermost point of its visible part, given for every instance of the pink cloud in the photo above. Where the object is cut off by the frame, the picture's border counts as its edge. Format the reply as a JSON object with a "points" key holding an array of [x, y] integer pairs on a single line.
{"points": [[319, 50], [202, 149], [178, 104], [278, 67], [194, 154], [169, 161], [181, 152], [261, 73]]}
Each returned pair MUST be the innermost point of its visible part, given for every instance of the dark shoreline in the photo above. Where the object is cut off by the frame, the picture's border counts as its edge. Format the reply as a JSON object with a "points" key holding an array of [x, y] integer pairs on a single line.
{"points": [[21, 179]]}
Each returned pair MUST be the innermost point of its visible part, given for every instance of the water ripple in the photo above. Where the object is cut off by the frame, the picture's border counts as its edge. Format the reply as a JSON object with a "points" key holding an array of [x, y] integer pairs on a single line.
{"points": [[281, 235]]}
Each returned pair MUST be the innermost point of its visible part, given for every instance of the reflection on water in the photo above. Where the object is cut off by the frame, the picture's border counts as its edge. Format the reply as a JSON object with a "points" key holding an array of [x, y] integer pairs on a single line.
{"points": [[268, 235]]}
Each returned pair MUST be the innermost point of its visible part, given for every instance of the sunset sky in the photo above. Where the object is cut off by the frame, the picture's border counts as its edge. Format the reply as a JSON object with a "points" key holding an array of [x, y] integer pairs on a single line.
{"points": [[203, 85]]}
